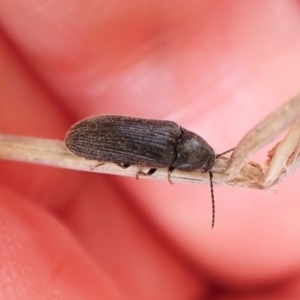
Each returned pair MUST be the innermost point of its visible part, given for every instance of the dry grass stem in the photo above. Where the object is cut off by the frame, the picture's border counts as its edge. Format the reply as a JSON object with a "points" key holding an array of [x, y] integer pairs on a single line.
{"points": [[283, 159], [263, 133], [53, 153]]}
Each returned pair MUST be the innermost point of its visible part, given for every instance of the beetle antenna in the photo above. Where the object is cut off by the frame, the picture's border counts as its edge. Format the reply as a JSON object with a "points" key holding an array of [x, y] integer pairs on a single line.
{"points": [[218, 155], [212, 198]]}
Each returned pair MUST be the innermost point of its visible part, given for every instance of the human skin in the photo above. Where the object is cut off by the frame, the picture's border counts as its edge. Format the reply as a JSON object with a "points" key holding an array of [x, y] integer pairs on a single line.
{"points": [[214, 67]]}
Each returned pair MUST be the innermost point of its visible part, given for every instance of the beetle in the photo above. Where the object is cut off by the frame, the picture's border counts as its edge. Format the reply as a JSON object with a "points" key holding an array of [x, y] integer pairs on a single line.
{"points": [[141, 142]]}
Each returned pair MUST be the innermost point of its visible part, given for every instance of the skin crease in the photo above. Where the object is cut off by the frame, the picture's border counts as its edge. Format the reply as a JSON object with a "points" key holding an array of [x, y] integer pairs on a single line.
{"points": [[216, 69]]}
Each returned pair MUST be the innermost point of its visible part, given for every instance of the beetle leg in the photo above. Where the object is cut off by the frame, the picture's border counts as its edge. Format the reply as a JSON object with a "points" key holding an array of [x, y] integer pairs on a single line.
{"points": [[97, 165], [149, 173], [124, 166], [170, 170]]}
